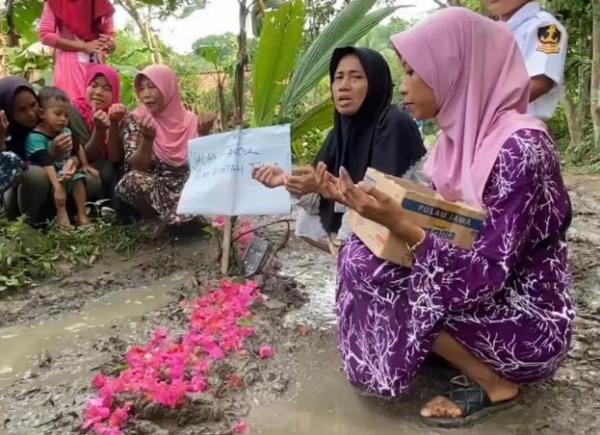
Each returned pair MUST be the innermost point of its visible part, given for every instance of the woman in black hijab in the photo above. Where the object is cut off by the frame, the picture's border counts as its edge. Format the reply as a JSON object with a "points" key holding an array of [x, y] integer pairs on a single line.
{"points": [[20, 105], [32, 195], [367, 131]]}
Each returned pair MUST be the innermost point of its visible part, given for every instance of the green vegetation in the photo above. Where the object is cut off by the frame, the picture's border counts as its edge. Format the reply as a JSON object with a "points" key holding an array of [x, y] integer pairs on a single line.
{"points": [[27, 254]]}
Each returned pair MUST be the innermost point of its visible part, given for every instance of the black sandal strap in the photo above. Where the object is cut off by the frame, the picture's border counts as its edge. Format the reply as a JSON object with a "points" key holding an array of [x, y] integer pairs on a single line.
{"points": [[467, 395]]}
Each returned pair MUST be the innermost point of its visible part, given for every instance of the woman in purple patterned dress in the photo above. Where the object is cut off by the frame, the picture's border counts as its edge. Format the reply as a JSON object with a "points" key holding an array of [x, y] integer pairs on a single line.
{"points": [[500, 312]]}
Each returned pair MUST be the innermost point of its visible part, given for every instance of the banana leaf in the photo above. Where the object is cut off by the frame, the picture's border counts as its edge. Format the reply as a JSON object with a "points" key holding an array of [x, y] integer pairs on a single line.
{"points": [[278, 48]]}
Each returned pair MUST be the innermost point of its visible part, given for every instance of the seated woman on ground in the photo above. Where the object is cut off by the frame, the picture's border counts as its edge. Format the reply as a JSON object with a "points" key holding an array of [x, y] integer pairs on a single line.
{"points": [[11, 165], [61, 169], [32, 194], [96, 121], [500, 312], [368, 131], [155, 142]]}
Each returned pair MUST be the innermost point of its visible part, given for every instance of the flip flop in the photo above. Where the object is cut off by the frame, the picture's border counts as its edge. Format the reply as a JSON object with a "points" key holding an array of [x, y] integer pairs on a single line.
{"points": [[436, 367], [472, 400]]}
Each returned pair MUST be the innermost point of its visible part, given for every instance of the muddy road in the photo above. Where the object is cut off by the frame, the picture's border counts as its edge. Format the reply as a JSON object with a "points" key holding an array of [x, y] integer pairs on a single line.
{"points": [[55, 337]]}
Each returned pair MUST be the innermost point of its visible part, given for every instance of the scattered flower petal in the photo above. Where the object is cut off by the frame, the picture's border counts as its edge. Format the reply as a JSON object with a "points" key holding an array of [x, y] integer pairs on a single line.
{"points": [[304, 330], [265, 351], [167, 370], [241, 428]]}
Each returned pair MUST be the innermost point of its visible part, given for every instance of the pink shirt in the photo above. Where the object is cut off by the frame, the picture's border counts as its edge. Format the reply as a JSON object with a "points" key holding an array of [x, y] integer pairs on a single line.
{"points": [[70, 67]]}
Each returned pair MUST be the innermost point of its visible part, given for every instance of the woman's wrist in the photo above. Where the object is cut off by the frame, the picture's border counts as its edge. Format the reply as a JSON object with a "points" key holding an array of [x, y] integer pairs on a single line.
{"points": [[77, 45], [410, 233], [147, 143]]}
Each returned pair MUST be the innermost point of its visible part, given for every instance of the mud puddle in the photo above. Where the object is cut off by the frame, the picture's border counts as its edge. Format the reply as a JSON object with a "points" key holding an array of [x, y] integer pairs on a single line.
{"points": [[323, 402], [94, 320], [315, 271], [50, 364]]}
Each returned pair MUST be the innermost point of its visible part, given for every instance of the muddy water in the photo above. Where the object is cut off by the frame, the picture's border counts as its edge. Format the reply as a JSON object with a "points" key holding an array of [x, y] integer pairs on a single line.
{"points": [[324, 403], [315, 271], [124, 309]]}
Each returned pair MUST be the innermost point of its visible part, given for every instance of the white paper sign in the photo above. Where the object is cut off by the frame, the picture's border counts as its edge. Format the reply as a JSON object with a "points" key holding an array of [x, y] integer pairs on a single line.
{"points": [[221, 166]]}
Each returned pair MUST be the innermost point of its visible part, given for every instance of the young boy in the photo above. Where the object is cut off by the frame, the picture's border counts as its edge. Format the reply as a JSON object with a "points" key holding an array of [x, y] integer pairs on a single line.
{"points": [[62, 170], [543, 43]]}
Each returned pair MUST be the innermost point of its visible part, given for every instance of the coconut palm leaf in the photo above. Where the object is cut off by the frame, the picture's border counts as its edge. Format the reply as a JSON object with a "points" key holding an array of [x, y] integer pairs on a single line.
{"points": [[320, 117], [349, 26]]}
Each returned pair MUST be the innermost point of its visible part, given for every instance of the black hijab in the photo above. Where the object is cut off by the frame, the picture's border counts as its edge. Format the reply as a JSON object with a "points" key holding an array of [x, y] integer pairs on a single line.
{"points": [[9, 87], [380, 135]]}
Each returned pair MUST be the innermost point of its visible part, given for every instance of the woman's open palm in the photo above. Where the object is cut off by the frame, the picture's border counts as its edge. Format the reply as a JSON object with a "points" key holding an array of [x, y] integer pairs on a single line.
{"points": [[270, 176], [368, 201]]}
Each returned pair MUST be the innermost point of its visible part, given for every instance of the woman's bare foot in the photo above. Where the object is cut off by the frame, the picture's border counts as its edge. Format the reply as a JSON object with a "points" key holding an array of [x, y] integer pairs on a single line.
{"points": [[62, 219], [83, 220], [443, 407]]}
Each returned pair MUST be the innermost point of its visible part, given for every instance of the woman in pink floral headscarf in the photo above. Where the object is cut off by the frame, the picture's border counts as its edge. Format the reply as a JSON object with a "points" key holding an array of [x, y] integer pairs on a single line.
{"points": [[500, 312], [155, 142]]}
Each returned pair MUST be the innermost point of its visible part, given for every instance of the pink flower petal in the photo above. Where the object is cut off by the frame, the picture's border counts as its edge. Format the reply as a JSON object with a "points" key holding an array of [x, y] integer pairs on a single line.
{"points": [[166, 369], [99, 381], [265, 351], [303, 330], [241, 428]]}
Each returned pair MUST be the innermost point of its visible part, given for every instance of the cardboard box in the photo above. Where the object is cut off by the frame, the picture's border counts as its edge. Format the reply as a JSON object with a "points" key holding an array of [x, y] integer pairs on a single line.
{"points": [[457, 223]]}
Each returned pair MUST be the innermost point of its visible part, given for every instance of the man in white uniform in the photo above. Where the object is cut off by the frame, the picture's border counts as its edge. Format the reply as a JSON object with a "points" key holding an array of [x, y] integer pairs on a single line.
{"points": [[543, 42]]}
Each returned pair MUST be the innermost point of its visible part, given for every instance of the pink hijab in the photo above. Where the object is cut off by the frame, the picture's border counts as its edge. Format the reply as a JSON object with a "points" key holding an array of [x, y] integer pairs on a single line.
{"points": [[112, 77], [175, 125], [481, 85]]}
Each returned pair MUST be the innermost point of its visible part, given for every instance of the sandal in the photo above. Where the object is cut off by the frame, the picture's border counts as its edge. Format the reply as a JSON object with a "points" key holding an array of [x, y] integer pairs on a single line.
{"points": [[472, 400], [436, 367]]}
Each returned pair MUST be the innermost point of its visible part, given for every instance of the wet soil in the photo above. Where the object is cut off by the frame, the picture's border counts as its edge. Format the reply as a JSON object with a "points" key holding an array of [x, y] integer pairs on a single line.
{"points": [[321, 401], [56, 336]]}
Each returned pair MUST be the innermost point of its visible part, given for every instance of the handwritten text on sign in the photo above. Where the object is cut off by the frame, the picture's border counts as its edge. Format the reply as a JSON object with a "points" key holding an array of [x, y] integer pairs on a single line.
{"points": [[221, 167]]}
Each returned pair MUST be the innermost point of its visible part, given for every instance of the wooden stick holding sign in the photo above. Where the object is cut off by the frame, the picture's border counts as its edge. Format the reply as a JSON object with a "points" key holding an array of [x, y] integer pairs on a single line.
{"points": [[220, 181], [226, 247]]}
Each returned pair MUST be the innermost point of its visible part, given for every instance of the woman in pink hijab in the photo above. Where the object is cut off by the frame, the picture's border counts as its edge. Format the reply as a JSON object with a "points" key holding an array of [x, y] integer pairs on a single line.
{"points": [[500, 312], [96, 120], [155, 142]]}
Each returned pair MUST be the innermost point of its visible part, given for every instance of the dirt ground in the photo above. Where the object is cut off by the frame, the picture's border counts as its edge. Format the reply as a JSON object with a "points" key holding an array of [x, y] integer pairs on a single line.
{"points": [[56, 336]]}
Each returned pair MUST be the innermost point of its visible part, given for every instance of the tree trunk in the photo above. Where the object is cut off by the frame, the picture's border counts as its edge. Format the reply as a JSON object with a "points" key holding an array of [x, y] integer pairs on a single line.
{"points": [[13, 36], [577, 111], [222, 105], [595, 85], [574, 122], [144, 26], [242, 62], [577, 99]]}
